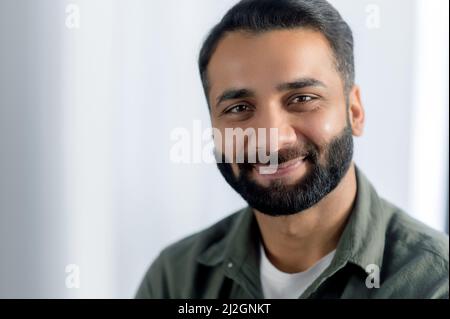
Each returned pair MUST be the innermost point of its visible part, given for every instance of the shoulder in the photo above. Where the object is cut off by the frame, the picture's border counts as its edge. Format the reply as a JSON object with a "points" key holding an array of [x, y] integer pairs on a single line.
{"points": [[413, 235], [194, 245], [415, 254], [178, 263]]}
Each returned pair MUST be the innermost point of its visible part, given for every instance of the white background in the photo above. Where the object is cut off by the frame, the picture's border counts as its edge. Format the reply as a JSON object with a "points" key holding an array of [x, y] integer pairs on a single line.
{"points": [[86, 115]]}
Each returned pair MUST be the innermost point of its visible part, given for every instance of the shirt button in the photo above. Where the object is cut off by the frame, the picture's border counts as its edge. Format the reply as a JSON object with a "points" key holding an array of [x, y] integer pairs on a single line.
{"points": [[230, 265]]}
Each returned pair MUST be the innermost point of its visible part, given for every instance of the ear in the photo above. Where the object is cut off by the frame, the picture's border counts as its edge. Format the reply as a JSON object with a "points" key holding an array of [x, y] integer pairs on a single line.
{"points": [[356, 111]]}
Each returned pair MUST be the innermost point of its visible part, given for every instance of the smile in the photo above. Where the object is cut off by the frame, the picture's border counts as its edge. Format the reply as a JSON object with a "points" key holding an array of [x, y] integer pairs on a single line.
{"points": [[266, 171]]}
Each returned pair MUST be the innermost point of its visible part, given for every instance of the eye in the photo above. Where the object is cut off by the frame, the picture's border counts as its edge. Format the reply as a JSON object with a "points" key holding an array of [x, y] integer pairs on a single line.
{"points": [[240, 108], [302, 99]]}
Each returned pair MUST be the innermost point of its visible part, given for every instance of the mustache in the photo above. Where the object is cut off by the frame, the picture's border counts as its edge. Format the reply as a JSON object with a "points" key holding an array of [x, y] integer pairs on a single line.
{"points": [[247, 161]]}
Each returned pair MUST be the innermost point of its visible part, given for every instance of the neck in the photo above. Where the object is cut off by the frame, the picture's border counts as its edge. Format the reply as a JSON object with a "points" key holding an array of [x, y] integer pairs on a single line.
{"points": [[296, 242]]}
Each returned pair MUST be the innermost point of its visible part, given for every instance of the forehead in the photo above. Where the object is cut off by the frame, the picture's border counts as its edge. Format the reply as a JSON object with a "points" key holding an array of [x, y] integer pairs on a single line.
{"points": [[260, 61]]}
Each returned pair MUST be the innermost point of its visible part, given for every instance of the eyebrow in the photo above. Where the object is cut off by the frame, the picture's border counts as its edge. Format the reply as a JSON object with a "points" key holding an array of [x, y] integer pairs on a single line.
{"points": [[300, 84], [232, 94]]}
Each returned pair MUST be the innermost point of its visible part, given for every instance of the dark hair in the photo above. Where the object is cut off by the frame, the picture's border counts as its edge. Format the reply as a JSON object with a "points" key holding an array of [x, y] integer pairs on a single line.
{"points": [[258, 16]]}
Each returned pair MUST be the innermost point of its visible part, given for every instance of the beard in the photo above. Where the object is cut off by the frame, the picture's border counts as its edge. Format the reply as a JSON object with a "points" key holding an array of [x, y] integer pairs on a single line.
{"points": [[281, 199]]}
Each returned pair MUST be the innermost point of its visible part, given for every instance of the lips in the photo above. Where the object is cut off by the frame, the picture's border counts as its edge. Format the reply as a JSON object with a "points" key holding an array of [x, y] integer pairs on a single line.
{"points": [[283, 165], [279, 171]]}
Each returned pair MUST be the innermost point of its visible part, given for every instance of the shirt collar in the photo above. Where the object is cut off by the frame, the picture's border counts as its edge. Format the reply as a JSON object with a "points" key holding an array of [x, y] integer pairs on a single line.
{"points": [[238, 253], [363, 239], [235, 246]]}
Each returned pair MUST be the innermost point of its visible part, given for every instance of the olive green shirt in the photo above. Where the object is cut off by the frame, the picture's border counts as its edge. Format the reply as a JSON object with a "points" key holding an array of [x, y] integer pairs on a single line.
{"points": [[222, 261]]}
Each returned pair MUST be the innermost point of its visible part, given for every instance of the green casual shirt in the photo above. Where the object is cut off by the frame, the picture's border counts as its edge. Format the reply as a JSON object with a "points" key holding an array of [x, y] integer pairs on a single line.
{"points": [[223, 260]]}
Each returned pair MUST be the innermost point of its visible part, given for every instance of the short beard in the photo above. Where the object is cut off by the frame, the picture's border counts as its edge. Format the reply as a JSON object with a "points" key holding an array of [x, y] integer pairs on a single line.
{"points": [[279, 199]]}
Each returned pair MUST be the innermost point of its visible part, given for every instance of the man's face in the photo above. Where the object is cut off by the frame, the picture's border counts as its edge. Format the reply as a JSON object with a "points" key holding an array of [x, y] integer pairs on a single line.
{"points": [[287, 80]]}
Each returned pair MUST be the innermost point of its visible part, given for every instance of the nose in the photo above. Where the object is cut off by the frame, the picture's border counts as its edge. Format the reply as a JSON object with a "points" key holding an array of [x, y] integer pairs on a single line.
{"points": [[278, 127]]}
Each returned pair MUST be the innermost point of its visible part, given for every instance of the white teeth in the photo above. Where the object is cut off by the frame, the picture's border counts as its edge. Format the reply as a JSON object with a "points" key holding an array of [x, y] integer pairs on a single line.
{"points": [[290, 163], [285, 164]]}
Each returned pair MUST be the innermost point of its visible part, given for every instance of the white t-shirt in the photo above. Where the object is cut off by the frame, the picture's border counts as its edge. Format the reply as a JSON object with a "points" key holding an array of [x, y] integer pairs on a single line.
{"points": [[280, 285]]}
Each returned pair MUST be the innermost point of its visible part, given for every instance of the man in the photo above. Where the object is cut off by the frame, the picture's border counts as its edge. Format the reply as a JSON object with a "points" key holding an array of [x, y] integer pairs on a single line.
{"points": [[315, 227]]}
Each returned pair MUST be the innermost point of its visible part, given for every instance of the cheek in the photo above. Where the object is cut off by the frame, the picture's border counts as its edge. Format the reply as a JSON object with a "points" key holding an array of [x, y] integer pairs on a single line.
{"points": [[219, 140], [322, 127], [228, 142]]}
